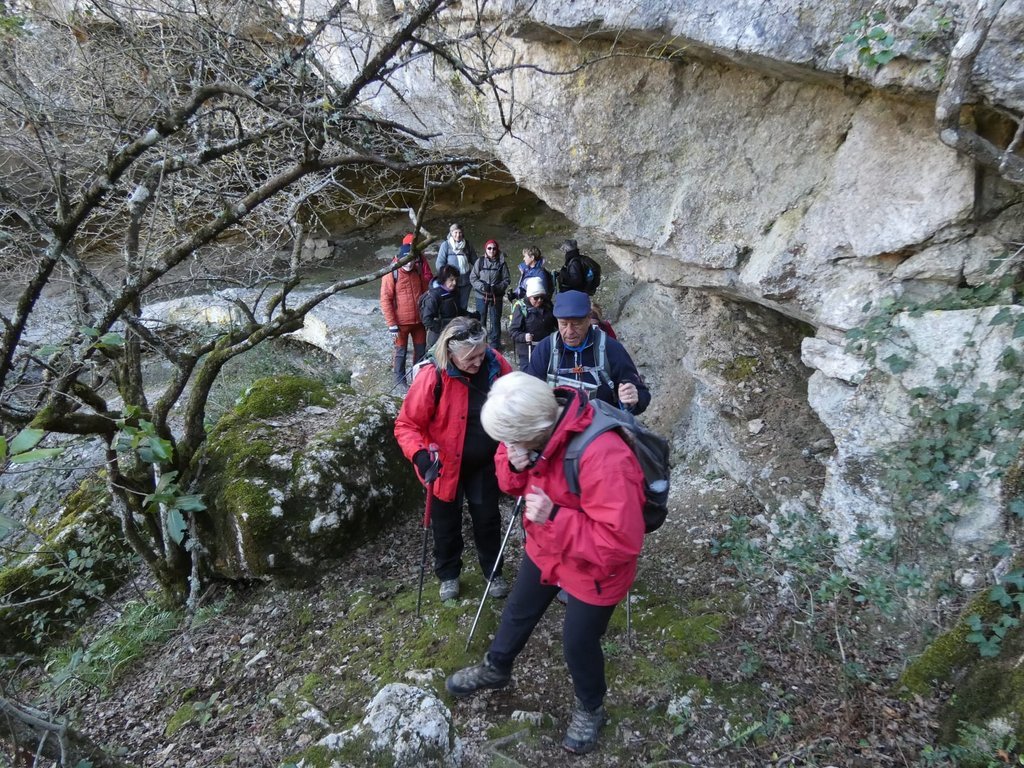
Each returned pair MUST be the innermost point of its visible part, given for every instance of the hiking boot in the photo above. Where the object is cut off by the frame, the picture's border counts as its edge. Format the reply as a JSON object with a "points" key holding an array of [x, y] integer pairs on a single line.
{"points": [[499, 587], [472, 679], [450, 589], [581, 735]]}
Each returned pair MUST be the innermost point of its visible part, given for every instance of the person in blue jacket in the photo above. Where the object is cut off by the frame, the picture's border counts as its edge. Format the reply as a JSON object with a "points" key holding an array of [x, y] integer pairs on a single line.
{"points": [[583, 356]]}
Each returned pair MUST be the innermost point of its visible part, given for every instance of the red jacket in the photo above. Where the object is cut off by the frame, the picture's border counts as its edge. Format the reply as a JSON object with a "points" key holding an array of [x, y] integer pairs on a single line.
{"points": [[591, 546], [421, 423], [398, 297]]}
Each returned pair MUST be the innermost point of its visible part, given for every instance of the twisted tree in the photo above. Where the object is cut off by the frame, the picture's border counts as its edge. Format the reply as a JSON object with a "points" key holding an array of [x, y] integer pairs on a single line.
{"points": [[149, 144]]}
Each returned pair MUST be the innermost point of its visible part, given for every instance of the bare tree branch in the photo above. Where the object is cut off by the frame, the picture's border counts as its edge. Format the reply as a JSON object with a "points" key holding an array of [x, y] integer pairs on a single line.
{"points": [[950, 102]]}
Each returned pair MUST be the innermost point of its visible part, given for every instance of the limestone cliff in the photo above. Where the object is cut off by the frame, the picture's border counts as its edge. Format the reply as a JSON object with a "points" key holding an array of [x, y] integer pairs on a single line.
{"points": [[743, 152]]}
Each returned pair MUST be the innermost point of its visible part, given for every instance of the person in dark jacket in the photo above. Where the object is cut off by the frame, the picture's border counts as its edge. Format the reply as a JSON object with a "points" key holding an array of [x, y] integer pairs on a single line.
{"points": [[490, 280], [532, 320], [587, 544], [440, 305], [579, 273], [532, 265], [582, 356]]}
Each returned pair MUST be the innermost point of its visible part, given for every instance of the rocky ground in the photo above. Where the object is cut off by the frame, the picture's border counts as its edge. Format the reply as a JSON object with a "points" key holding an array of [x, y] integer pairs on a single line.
{"points": [[717, 672]]}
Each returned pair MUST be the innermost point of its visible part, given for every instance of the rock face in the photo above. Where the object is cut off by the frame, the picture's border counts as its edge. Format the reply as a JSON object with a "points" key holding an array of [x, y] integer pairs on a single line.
{"points": [[296, 475], [404, 726], [742, 151]]}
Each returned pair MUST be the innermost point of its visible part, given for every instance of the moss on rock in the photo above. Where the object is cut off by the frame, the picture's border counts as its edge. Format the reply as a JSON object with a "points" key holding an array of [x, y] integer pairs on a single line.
{"points": [[75, 561], [285, 494], [984, 689], [271, 397]]}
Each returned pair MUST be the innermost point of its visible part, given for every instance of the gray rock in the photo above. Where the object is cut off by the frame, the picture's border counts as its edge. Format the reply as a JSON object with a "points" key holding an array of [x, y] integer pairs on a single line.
{"points": [[408, 726]]}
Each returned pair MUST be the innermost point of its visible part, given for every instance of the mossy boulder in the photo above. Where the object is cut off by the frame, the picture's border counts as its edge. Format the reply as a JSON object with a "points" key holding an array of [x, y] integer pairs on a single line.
{"points": [[66, 569], [988, 693], [296, 474]]}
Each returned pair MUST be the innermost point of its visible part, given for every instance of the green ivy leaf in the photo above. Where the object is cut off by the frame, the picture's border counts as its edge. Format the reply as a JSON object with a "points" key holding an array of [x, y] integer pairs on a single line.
{"points": [[26, 440], [113, 340], [38, 455], [190, 503], [176, 526], [884, 57], [7, 524], [87, 331], [1018, 329], [896, 363], [1016, 507]]}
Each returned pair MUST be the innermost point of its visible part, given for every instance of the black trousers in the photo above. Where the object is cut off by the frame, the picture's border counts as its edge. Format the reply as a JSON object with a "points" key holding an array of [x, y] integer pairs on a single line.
{"points": [[479, 487], [582, 630]]}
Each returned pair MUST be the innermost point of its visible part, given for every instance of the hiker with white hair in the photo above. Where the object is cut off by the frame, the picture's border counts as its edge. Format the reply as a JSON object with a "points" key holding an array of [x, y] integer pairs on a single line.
{"points": [[587, 544]]}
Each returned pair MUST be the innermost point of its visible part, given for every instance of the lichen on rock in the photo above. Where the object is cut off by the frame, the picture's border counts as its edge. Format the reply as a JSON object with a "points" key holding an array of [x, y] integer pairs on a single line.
{"points": [[288, 485]]}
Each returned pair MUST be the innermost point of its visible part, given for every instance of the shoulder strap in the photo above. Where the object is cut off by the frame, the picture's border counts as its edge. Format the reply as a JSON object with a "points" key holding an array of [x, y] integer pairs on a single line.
{"points": [[602, 423], [553, 362], [601, 360], [437, 385]]}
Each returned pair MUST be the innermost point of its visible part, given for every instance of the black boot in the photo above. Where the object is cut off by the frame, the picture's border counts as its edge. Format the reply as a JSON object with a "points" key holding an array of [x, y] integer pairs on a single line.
{"points": [[400, 381]]}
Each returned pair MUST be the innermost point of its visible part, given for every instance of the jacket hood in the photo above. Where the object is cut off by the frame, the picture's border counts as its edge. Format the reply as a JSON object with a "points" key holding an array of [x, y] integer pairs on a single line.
{"points": [[577, 414]]}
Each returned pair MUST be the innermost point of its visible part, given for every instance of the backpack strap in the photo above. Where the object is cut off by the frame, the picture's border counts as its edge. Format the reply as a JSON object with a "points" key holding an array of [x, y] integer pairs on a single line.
{"points": [[438, 381], [571, 463], [601, 369], [553, 362]]}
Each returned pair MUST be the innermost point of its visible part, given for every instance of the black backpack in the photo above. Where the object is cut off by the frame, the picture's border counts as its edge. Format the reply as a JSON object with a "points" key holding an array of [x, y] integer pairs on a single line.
{"points": [[580, 274], [651, 450]]}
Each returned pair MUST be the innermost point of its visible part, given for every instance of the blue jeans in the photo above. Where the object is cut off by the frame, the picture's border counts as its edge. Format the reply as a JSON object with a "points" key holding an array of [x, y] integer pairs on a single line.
{"points": [[491, 318]]}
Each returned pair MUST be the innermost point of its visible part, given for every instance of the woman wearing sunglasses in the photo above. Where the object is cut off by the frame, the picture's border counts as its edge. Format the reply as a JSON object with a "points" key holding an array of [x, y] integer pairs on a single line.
{"points": [[443, 408]]}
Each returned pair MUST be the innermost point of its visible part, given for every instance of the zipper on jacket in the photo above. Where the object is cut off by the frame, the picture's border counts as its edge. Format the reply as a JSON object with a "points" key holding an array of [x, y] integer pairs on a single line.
{"points": [[597, 586]]}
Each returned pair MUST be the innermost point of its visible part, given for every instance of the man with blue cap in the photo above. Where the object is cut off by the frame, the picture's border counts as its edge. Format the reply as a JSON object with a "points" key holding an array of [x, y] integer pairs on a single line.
{"points": [[582, 356]]}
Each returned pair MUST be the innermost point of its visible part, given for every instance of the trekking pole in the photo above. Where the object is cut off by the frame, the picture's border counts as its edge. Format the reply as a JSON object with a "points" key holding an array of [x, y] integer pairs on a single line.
{"points": [[429, 479], [487, 309], [629, 621], [494, 568]]}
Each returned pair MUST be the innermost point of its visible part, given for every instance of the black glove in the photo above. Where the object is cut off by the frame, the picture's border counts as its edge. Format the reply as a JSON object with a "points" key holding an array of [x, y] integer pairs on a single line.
{"points": [[511, 295], [427, 468]]}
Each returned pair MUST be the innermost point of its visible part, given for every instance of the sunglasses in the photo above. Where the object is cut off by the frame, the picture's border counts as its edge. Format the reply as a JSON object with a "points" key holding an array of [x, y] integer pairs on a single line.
{"points": [[472, 329], [491, 248]]}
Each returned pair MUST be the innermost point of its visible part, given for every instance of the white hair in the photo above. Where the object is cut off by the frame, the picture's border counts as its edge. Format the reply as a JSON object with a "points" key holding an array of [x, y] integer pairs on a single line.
{"points": [[520, 409]]}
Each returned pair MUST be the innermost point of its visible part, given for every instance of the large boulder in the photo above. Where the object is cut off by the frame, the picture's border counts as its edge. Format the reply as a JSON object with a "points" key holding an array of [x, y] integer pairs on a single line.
{"points": [[296, 474]]}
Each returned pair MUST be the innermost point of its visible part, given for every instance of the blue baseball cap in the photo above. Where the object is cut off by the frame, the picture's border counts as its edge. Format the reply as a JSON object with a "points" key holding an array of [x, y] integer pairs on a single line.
{"points": [[572, 304]]}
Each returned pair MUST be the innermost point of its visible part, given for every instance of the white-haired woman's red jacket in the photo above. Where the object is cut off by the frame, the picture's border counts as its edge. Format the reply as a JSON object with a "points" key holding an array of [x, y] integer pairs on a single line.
{"points": [[591, 544]]}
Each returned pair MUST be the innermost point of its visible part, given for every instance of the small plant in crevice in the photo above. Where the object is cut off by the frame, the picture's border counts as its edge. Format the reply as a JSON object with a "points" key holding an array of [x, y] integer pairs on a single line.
{"points": [[869, 40]]}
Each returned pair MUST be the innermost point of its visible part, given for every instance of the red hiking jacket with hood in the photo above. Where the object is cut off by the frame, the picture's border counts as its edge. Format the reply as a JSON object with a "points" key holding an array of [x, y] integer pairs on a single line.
{"points": [[591, 545]]}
